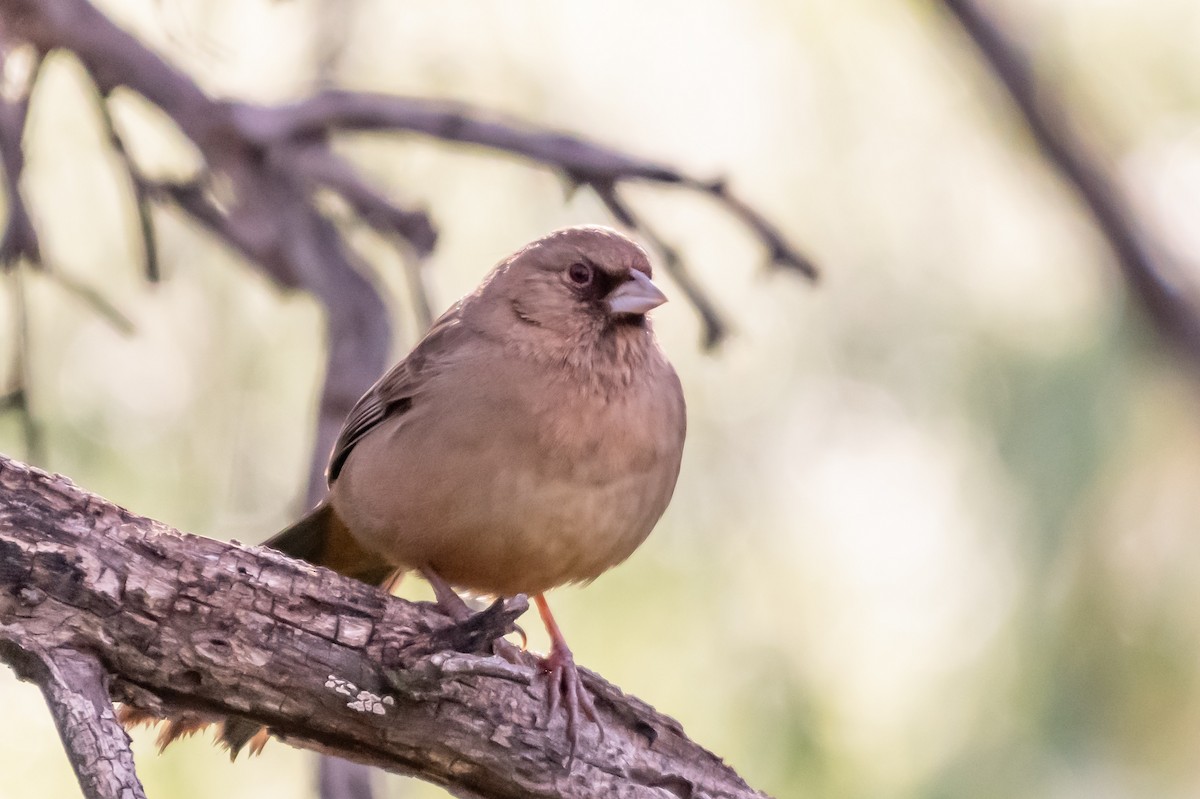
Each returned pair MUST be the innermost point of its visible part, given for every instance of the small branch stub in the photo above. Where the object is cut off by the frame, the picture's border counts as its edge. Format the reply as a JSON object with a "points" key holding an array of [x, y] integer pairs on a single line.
{"points": [[76, 690]]}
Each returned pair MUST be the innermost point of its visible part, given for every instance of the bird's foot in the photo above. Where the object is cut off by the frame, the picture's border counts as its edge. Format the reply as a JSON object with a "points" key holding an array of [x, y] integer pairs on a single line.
{"points": [[450, 603], [564, 688]]}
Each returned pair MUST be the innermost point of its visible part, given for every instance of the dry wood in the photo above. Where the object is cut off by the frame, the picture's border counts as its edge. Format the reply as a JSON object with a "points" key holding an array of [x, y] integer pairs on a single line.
{"points": [[75, 686], [181, 622]]}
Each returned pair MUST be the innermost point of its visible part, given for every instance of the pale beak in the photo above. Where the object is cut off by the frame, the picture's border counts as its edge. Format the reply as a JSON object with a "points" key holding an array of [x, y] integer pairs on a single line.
{"points": [[635, 296]]}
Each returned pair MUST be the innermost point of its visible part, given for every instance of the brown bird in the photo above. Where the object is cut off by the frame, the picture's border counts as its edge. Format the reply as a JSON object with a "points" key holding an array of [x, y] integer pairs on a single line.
{"points": [[531, 439]]}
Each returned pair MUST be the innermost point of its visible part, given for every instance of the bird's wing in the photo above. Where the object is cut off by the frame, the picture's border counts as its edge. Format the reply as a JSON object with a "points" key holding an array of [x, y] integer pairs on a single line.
{"points": [[393, 393]]}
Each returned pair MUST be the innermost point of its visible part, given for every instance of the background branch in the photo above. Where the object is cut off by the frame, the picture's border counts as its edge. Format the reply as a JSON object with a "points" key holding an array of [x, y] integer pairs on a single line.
{"points": [[20, 239], [137, 184], [275, 157], [270, 217], [1151, 279], [580, 161]]}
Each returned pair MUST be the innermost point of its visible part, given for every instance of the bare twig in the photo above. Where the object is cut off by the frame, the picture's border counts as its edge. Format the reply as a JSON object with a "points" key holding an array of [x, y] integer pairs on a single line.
{"points": [[137, 184], [715, 327], [268, 216], [418, 290], [76, 690], [779, 251], [21, 367], [578, 159], [215, 630], [93, 299], [20, 246], [320, 165], [20, 242], [444, 120], [1145, 268], [20, 239]]}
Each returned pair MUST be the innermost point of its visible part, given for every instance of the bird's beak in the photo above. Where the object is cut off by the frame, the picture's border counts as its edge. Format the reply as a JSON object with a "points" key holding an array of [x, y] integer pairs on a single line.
{"points": [[635, 296]]}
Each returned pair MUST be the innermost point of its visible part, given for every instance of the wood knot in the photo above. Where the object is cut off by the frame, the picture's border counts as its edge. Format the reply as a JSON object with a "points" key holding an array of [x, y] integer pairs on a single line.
{"points": [[30, 596]]}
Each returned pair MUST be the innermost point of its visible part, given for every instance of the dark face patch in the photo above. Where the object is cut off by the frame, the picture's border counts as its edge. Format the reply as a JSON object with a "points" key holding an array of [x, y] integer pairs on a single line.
{"points": [[589, 282]]}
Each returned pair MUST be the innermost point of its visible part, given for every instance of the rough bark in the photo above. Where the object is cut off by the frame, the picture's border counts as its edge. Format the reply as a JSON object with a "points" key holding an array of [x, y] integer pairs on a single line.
{"points": [[180, 622], [75, 686]]}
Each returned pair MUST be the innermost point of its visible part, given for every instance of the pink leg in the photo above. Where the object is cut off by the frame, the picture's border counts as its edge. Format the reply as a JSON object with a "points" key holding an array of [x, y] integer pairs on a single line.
{"points": [[563, 685], [393, 581]]}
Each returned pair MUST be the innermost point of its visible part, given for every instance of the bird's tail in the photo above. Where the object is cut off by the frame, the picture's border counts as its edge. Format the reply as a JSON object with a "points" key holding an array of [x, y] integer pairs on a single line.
{"points": [[306, 538], [320, 538], [233, 733]]}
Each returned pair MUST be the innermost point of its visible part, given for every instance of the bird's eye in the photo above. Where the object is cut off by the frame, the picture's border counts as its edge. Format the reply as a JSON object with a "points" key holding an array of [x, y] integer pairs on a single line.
{"points": [[580, 274]]}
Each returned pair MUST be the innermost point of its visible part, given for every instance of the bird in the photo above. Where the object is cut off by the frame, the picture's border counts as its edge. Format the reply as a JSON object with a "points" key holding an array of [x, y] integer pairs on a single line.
{"points": [[531, 439]]}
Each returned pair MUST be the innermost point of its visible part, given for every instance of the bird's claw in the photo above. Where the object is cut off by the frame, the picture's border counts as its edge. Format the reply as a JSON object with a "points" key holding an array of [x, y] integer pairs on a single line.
{"points": [[519, 630], [509, 651], [565, 688]]}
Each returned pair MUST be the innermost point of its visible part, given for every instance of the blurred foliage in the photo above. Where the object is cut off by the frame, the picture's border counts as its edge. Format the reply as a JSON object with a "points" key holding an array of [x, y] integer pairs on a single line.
{"points": [[938, 529]]}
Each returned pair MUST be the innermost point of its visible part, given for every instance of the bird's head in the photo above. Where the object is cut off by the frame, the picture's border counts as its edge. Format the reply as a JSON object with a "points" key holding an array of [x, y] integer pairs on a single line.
{"points": [[582, 283]]}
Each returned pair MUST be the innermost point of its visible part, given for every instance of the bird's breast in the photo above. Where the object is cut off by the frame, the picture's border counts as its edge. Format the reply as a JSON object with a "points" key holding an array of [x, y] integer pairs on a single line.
{"points": [[516, 486]]}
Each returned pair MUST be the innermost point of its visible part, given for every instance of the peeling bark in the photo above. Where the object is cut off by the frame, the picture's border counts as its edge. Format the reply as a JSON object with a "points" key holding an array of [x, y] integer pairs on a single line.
{"points": [[183, 623]]}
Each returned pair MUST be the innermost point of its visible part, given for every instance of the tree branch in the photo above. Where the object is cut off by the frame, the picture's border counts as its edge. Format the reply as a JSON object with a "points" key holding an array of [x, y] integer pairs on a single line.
{"points": [[715, 326], [20, 239], [263, 150], [215, 630], [76, 690], [269, 216], [137, 184], [580, 161], [1170, 307], [17, 398]]}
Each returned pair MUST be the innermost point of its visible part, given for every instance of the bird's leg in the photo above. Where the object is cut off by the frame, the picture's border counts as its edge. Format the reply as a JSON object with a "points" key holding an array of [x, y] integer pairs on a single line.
{"points": [[450, 603], [563, 685], [453, 606], [393, 581]]}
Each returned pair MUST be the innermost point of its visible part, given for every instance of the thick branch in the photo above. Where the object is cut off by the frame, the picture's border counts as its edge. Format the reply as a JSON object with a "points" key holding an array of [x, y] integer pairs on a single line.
{"points": [[217, 630], [1169, 307]]}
